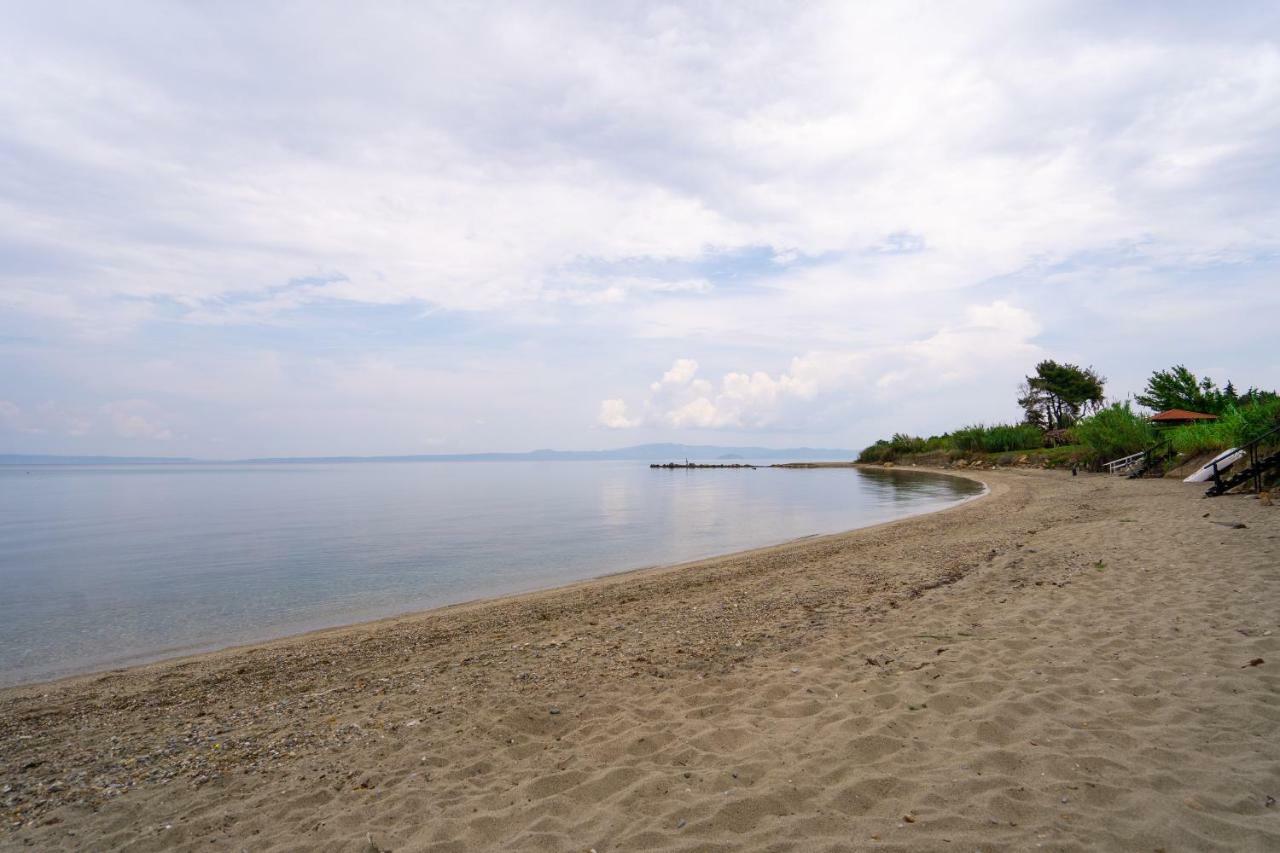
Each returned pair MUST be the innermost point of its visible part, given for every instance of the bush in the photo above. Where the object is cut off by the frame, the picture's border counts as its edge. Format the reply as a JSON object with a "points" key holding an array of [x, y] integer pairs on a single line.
{"points": [[967, 440], [1194, 439], [1247, 422], [1238, 425], [887, 451], [937, 442], [1115, 432], [877, 452], [1001, 438]]}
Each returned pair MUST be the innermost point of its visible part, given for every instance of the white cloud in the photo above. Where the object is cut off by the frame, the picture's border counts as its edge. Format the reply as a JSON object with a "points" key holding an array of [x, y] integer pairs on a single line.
{"points": [[45, 418], [989, 337], [613, 414], [429, 177], [276, 234], [128, 419], [10, 415], [993, 340], [135, 419], [680, 375]]}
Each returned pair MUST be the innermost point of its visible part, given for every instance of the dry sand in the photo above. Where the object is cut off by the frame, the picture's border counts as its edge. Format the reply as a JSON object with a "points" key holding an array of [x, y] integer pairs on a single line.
{"points": [[1063, 665]]}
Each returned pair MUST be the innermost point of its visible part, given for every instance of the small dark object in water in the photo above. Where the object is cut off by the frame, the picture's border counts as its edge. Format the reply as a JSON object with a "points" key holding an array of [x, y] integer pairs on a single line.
{"points": [[671, 466]]}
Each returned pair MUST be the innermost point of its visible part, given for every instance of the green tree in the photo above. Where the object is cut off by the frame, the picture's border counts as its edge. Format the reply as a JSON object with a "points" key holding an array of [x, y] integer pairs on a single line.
{"points": [[1115, 431], [1060, 394], [1254, 396], [1179, 388]]}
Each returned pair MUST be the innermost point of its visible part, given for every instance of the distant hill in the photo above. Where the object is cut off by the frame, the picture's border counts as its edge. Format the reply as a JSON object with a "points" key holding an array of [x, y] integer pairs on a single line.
{"points": [[638, 453], [38, 459]]}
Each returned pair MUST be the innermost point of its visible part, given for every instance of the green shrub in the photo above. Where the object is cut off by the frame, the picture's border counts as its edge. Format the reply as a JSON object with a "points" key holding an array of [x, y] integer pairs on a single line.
{"points": [[877, 452], [900, 445], [967, 440], [1063, 456], [1001, 438], [1115, 432], [1238, 425], [1247, 422], [1194, 439], [904, 444], [937, 442], [1109, 434], [1006, 438]]}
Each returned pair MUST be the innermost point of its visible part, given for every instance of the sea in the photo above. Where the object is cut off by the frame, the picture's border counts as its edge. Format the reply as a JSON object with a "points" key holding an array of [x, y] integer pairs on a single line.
{"points": [[106, 566]]}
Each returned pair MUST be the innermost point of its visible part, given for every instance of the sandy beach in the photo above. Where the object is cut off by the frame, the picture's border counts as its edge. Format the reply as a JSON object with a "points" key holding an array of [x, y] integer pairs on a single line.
{"points": [[1069, 663]]}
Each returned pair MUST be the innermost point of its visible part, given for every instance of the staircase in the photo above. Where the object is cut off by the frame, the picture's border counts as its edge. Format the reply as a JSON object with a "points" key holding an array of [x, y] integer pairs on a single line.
{"points": [[1152, 456], [1260, 462], [1125, 463], [1136, 464]]}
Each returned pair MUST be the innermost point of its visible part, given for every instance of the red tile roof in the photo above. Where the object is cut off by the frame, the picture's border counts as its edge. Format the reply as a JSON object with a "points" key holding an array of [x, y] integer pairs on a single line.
{"points": [[1183, 415]]}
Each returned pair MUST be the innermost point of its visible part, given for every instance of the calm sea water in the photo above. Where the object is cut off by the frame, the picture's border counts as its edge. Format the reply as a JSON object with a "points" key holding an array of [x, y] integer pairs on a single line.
{"points": [[102, 566]]}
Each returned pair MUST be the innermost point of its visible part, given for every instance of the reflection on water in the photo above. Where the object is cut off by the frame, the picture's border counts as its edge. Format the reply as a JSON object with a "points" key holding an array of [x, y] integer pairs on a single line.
{"points": [[107, 565], [901, 485]]}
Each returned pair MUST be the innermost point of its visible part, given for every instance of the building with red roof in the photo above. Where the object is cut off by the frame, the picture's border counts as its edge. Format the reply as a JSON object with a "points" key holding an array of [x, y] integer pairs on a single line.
{"points": [[1178, 417]]}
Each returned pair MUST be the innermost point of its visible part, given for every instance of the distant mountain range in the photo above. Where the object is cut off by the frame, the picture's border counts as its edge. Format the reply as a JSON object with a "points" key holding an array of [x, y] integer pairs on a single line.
{"points": [[638, 453], [36, 459]]}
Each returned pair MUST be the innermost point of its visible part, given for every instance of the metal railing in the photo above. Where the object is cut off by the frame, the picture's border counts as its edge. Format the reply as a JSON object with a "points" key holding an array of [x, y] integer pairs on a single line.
{"points": [[1117, 466], [1153, 455], [1254, 470]]}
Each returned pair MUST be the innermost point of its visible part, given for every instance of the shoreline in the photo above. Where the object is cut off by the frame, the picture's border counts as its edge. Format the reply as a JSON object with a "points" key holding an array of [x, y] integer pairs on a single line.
{"points": [[1069, 662], [195, 654]]}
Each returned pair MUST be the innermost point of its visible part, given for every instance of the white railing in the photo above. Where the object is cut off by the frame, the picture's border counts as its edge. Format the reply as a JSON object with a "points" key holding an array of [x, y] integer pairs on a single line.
{"points": [[1119, 466]]}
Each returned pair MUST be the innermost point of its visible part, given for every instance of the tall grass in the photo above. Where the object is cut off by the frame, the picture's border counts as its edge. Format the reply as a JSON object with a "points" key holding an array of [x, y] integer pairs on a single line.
{"points": [[1194, 439], [1111, 433], [1115, 432], [900, 445], [1238, 425], [1001, 438]]}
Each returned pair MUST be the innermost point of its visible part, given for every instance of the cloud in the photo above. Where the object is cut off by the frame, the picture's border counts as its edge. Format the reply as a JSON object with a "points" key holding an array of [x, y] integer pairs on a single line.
{"points": [[10, 415], [613, 414], [263, 234], [45, 418], [134, 419], [680, 375], [987, 337], [989, 340], [128, 419], [428, 177]]}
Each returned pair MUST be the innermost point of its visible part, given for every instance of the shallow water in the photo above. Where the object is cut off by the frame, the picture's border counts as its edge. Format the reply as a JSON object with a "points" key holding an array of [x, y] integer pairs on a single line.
{"points": [[102, 566]]}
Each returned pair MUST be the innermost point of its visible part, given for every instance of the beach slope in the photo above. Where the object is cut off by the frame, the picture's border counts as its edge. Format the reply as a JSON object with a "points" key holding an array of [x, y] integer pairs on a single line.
{"points": [[1067, 664]]}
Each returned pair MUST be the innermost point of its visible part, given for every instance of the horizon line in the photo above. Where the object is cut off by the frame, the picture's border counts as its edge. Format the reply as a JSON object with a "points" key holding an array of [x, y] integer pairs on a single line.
{"points": [[484, 455]]}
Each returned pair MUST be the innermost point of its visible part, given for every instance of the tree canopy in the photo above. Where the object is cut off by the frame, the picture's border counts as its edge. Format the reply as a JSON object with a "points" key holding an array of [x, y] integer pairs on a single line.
{"points": [[1179, 388], [1059, 394]]}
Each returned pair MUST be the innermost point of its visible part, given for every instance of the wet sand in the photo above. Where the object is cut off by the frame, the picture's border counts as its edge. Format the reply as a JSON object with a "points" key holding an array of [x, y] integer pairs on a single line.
{"points": [[1067, 664]]}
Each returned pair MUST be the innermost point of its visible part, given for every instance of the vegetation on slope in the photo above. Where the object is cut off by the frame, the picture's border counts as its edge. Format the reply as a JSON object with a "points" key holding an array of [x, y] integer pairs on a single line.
{"points": [[1000, 438], [1237, 425], [1069, 399], [1114, 432]]}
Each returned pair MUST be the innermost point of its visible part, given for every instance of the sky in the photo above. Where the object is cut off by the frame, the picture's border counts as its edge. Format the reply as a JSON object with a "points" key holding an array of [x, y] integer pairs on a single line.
{"points": [[236, 229]]}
